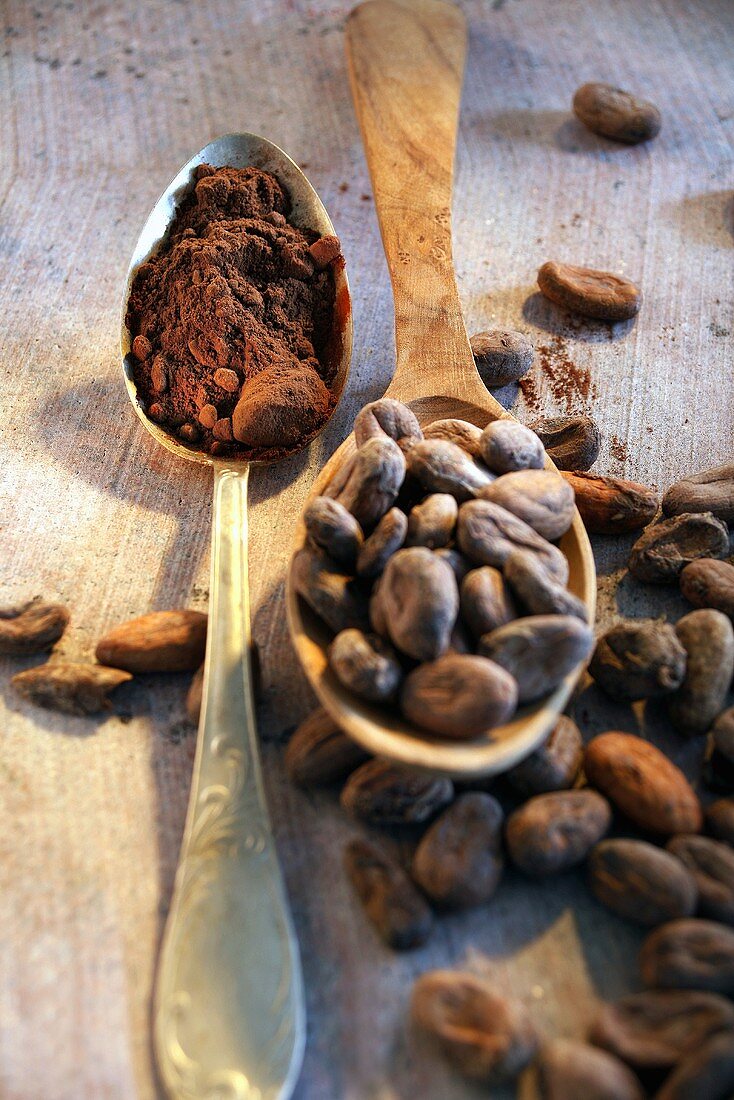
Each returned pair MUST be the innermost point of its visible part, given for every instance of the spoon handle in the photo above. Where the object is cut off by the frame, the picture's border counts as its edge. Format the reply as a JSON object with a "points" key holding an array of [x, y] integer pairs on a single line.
{"points": [[229, 1015]]}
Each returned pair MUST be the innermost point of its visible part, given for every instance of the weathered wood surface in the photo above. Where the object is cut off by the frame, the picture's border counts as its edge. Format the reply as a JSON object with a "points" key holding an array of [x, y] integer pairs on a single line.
{"points": [[99, 104]]}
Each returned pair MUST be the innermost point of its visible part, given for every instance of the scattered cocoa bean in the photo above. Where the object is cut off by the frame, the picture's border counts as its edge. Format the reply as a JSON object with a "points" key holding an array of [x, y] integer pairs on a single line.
{"points": [[459, 696], [539, 497], [597, 294], [31, 628], [365, 664], [538, 651], [432, 522], [461, 432], [663, 550], [723, 732], [69, 687], [502, 356], [710, 491], [712, 866], [334, 597], [393, 905], [706, 1074], [383, 794], [641, 882], [642, 783], [709, 583], [572, 442], [459, 862], [390, 418], [368, 483], [555, 765], [616, 114], [161, 641], [484, 1035], [319, 752], [443, 467], [553, 832], [332, 528], [507, 445], [193, 696], [610, 505], [637, 660], [720, 820], [488, 534], [387, 537], [485, 601], [568, 1070], [420, 598], [536, 589], [708, 639], [689, 954]]}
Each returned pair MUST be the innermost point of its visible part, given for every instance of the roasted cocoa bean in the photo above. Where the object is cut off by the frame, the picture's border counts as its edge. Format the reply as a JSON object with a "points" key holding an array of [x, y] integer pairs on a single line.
{"points": [[706, 1074], [597, 294], [616, 114], [539, 497], [555, 765], [369, 482], [319, 752], [642, 783], [555, 831], [572, 442], [32, 628], [193, 696], [461, 432], [538, 651], [485, 601], [507, 445], [334, 597], [712, 866], [459, 861], [456, 560], [689, 954], [639, 661], [663, 550], [332, 528], [720, 820], [420, 601], [536, 589], [710, 491], [459, 696], [442, 467], [708, 639], [488, 534], [381, 793], [392, 904], [610, 505], [431, 523], [483, 1034], [638, 881], [502, 356], [162, 641], [709, 583], [69, 687], [390, 418], [386, 539], [366, 665], [568, 1070]]}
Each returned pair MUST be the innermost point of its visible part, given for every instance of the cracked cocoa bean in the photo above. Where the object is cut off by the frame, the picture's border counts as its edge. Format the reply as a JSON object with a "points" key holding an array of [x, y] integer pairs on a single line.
{"points": [[507, 445], [485, 601], [641, 882], [336, 598], [332, 528], [720, 820], [663, 550], [712, 866], [392, 904], [488, 534], [70, 687], [420, 601], [536, 589], [162, 641], [366, 665], [502, 356], [600, 295], [555, 765], [461, 432], [708, 639], [706, 1073], [639, 661], [538, 651], [709, 583], [541, 498], [443, 467], [319, 752], [383, 794], [572, 442], [369, 482], [459, 861], [459, 696], [568, 1070], [32, 628], [710, 491], [610, 505], [553, 832], [431, 523], [689, 954], [616, 114], [390, 418], [386, 539]]}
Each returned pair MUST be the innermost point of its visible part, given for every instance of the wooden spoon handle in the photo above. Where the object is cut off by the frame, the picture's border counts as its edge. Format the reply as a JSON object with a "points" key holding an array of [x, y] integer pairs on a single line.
{"points": [[406, 60]]}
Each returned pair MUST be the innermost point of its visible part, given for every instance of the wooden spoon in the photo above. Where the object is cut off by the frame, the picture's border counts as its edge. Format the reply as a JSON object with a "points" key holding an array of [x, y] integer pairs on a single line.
{"points": [[406, 61]]}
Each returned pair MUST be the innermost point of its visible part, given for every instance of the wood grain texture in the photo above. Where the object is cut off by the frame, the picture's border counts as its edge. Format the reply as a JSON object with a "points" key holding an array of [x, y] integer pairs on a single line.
{"points": [[99, 103]]}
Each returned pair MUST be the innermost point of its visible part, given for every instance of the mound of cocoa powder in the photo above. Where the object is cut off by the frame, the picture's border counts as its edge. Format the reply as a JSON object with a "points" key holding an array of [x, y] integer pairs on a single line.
{"points": [[232, 320]]}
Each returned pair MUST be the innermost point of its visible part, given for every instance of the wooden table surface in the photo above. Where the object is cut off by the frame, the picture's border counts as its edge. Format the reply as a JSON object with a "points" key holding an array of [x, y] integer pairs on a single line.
{"points": [[100, 102]]}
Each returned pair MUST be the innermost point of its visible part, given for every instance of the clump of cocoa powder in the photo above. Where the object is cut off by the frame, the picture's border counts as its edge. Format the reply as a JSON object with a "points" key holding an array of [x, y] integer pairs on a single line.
{"points": [[232, 319]]}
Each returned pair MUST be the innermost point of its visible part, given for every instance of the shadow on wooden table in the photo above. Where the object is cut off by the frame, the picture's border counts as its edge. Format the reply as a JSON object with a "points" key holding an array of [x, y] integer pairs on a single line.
{"points": [[544, 314]]}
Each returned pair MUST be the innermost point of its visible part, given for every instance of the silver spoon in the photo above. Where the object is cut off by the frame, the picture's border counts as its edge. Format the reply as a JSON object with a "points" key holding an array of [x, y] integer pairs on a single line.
{"points": [[229, 1016]]}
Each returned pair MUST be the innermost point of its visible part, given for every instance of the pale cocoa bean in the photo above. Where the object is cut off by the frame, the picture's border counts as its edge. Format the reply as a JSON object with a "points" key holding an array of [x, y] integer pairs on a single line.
{"points": [[723, 732], [536, 589], [663, 550], [161, 641], [712, 866], [394, 907], [369, 482], [706, 1074], [656, 1029], [365, 664], [461, 432], [485, 601], [642, 783], [720, 820], [387, 537], [709, 583], [457, 562], [638, 881], [31, 628], [541, 498], [332, 528], [459, 696], [572, 442], [193, 696], [390, 418], [381, 793], [488, 534], [319, 752], [568, 1070], [553, 832], [484, 1035], [502, 356], [639, 661], [459, 861], [708, 639], [432, 522], [710, 491], [507, 445], [336, 598], [538, 651], [610, 505], [69, 687], [616, 114], [420, 601], [555, 765], [689, 954], [597, 294], [442, 467]]}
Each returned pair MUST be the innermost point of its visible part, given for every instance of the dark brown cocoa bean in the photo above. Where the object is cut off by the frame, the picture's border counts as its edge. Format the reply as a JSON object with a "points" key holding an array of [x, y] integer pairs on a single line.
{"points": [[572, 442], [386, 539], [390, 418], [383, 794], [393, 905], [637, 660], [555, 765], [488, 534], [334, 597], [369, 482], [69, 687], [689, 954], [459, 862], [420, 602], [459, 696], [641, 882], [709, 583], [710, 491], [536, 589], [616, 114], [502, 356], [332, 528], [708, 639], [319, 752], [461, 432], [611, 505], [442, 467], [723, 733], [366, 665], [538, 651], [553, 832], [712, 865], [485, 601], [539, 497], [507, 445], [664, 549], [568, 1070], [597, 294], [706, 1074], [431, 523], [32, 628], [720, 820], [460, 566]]}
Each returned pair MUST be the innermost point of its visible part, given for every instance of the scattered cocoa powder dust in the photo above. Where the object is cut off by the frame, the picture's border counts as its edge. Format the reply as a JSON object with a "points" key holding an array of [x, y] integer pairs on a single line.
{"points": [[571, 387], [618, 448], [232, 320]]}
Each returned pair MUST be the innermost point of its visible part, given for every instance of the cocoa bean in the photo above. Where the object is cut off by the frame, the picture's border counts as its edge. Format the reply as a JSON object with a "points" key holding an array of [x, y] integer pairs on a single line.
{"points": [[390, 418], [538, 651], [369, 482], [485, 601], [507, 445], [332, 528], [31, 628], [689, 954], [536, 589], [720, 820], [442, 467], [663, 550], [420, 601], [392, 904], [461, 640], [193, 696], [572, 442], [569, 1070], [161, 641], [387, 538], [432, 522], [502, 356], [710, 491], [708, 639], [712, 866], [456, 560], [461, 432], [723, 732], [553, 832], [381, 793], [319, 752], [639, 661], [709, 583], [642, 783], [69, 687], [616, 114], [484, 1035], [610, 505], [334, 597], [365, 664], [459, 696], [555, 765], [459, 862], [638, 881], [706, 1074], [488, 534], [597, 294], [539, 497]]}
